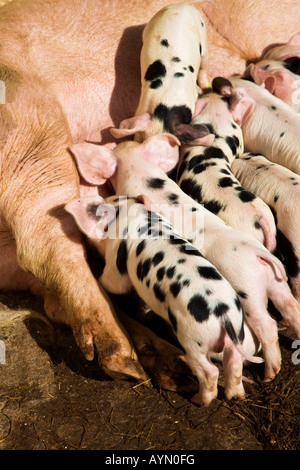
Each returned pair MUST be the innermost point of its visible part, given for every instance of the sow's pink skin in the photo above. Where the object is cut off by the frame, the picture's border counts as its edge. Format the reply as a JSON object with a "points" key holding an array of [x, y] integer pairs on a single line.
{"points": [[251, 269]]}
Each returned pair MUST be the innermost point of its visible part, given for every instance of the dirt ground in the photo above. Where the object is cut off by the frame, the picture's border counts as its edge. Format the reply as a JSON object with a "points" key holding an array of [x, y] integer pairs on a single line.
{"points": [[51, 398]]}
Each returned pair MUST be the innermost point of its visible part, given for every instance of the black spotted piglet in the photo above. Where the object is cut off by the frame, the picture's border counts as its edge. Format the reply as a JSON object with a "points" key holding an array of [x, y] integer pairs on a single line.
{"points": [[173, 58], [143, 251], [205, 173], [279, 187]]}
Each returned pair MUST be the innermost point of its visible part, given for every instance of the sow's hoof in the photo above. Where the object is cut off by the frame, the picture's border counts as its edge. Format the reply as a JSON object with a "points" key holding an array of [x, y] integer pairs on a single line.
{"points": [[116, 356]]}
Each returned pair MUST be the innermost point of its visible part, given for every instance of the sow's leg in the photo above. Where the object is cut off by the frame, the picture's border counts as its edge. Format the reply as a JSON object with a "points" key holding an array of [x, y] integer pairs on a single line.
{"points": [[38, 177]]}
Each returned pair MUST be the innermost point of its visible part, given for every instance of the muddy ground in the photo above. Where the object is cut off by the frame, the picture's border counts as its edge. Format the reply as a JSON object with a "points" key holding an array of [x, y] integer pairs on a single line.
{"points": [[52, 398]]}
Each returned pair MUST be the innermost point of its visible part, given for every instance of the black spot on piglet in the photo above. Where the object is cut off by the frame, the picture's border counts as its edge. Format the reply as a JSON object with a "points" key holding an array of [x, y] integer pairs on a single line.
{"points": [[225, 182], [246, 196], [198, 308], [155, 183], [155, 71], [122, 257], [221, 309], [209, 272], [159, 294], [172, 117]]}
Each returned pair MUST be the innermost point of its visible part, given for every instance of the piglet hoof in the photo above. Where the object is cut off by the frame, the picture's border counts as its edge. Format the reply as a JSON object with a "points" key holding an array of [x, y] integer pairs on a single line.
{"points": [[271, 371], [235, 392], [205, 397]]}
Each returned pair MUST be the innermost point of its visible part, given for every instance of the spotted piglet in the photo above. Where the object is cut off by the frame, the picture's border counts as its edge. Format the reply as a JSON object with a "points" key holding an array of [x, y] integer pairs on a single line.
{"points": [[205, 173], [280, 189], [144, 252], [270, 126], [173, 56], [251, 269]]}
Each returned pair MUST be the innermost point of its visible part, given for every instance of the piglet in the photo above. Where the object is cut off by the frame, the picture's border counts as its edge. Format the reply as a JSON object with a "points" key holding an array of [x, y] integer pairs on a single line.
{"points": [[280, 189], [249, 267], [279, 72], [173, 57], [205, 174], [142, 251], [270, 126]]}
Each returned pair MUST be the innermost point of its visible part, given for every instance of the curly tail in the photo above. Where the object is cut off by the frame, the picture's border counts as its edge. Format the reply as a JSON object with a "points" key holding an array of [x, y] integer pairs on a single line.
{"points": [[236, 340]]}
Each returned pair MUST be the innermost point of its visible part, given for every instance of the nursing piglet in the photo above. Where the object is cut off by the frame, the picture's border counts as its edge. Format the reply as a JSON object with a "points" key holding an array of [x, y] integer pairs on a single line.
{"points": [[143, 252], [249, 267], [280, 189], [205, 174], [279, 72], [270, 126], [173, 57]]}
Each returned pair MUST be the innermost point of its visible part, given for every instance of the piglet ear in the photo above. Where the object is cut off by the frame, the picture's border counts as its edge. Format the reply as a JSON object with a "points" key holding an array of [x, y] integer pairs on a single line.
{"points": [[295, 40], [162, 150], [241, 106], [194, 134], [261, 77], [240, 103], [92, 215], [95, 163], [222, 85], [131, 126], [199, 107], [270, 83]]}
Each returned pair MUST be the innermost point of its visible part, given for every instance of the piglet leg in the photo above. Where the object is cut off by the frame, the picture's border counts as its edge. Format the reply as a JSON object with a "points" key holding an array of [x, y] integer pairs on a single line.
{"points": [[233, 369], [265, 329], [286, 304], [207, 374]]}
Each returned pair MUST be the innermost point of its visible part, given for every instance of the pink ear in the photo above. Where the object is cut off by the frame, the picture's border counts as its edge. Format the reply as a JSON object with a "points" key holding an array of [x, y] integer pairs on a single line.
{"points": [[295, 40], [131, 126], [200, 105], [241, 106], [260, 76], [162, 150], [278, 82], [91, 215], [95, 163], [270, 83]]}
